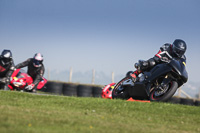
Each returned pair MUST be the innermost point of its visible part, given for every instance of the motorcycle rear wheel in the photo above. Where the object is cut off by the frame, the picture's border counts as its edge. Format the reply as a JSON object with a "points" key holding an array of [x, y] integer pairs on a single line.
{"points": [[173, 85], [122, 94]]}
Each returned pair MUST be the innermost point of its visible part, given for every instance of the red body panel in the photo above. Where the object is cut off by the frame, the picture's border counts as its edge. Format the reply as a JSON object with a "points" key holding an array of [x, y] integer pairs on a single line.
{"points": [[42, 83], [21, 79], [107, 91]]}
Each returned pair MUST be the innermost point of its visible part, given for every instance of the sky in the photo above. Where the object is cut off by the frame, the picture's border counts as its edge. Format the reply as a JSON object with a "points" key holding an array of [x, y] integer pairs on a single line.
{"points": [[105, 35]]}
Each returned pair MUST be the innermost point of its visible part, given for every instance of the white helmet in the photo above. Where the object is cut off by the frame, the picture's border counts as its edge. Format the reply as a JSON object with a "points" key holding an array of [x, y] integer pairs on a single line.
{"points": [[37, 60]]}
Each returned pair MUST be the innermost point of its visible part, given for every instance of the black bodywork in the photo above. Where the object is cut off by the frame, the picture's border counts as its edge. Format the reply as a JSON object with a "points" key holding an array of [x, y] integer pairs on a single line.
{"points": [[175, 69]]}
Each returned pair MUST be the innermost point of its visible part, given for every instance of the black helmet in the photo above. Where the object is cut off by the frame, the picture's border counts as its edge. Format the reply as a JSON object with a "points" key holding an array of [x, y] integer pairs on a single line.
{"points": [[6, 56], [179, 47], [37, 60]]}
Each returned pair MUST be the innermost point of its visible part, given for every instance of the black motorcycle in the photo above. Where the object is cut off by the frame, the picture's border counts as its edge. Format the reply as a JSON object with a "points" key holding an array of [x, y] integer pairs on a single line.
{"points": [[158, 84]]}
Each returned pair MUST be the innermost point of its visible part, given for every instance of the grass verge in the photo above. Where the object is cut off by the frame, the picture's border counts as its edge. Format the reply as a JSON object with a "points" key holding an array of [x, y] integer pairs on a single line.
{"points": [[25, 112]]}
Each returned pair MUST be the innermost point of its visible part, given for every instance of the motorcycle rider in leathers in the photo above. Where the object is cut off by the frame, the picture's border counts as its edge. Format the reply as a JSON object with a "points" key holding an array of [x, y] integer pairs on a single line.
{"points": [[6, 68], [177, 49], [35, 70]]}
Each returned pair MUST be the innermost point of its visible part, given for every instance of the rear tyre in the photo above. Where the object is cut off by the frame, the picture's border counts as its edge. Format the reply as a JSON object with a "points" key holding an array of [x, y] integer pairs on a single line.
{"points": [[120, 94], [173, 85]]}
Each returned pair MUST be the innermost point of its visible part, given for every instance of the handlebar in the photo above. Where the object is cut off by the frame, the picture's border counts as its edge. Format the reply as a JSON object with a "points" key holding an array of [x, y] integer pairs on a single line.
{"points": [[167, 58]]}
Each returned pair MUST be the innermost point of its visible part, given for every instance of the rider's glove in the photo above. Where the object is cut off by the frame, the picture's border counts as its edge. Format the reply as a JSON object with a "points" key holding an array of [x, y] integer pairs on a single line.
{"points": [[141, 65], [164, 59], [29, 87], [5, 80]]}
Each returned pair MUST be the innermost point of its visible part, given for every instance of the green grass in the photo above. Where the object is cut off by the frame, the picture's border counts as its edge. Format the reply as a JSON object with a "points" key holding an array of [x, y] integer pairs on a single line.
{"points": [[25, 112]]}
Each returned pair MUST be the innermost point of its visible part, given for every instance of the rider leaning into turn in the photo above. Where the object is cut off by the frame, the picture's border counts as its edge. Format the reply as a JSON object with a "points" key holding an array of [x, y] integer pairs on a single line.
{"points": [[6, 68], [177, 49], [35, 70]]}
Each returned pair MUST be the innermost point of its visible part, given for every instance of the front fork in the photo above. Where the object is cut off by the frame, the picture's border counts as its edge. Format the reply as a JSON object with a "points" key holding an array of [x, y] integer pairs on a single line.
{"points": [[166, 80], [164, 84]]}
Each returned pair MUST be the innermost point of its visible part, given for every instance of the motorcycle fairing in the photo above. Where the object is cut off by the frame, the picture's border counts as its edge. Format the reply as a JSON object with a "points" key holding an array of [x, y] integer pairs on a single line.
{"points": [[157, 71], [21, 78], [179, 67], [42, 83]]}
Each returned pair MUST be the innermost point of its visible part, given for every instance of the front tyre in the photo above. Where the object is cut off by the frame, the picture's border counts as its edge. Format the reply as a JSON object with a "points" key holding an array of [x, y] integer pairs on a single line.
{"points": [[119, 91], [173, 85]]}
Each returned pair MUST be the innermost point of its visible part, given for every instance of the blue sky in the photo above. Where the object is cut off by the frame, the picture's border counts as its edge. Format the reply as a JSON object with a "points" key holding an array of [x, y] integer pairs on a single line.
{"points": [[105, 35]]}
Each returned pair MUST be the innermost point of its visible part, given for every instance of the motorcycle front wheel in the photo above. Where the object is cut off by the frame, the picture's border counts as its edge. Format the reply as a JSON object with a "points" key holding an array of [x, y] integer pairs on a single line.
{"points": [[119, 91], [172, 87]]}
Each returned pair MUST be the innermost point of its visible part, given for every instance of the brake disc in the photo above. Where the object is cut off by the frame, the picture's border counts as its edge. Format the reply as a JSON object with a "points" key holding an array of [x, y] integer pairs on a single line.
{"points": [[160, 91]]}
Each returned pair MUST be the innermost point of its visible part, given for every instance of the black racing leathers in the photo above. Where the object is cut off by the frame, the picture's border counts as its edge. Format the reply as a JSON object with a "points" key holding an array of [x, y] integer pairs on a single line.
{"points": [[6, 71], [157, 59], [161, 53], [35, 72]]}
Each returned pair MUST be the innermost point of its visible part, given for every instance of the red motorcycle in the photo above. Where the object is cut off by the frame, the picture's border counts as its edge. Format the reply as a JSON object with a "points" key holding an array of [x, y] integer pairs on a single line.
{"points": [[20, 79]]}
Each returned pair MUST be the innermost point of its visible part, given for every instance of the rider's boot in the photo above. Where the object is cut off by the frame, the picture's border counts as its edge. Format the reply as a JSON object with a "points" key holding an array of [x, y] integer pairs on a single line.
{"points": [[34, 90]]}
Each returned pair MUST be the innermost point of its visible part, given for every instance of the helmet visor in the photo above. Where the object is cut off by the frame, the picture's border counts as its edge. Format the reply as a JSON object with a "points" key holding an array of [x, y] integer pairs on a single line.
{"points": [[37, 63], [178, 52]]}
